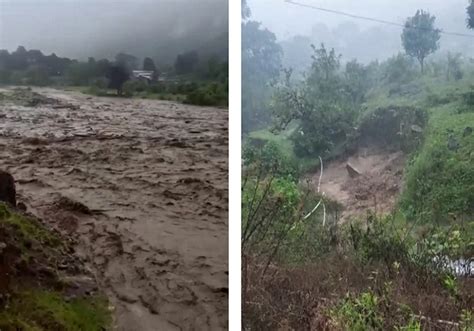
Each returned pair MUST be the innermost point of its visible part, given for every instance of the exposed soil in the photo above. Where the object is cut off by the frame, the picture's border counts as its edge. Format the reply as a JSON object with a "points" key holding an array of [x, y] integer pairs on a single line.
{"points": [[376, 188], [142, 186]]}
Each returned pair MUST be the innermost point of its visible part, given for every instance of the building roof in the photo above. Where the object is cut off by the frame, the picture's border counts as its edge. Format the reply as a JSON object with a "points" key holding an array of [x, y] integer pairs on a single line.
{"points": [[143, 74]]}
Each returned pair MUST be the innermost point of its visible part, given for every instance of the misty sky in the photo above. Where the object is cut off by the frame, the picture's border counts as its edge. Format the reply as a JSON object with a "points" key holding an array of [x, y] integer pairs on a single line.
{"points": [[286, 20], [297, 28], [102, 28]]}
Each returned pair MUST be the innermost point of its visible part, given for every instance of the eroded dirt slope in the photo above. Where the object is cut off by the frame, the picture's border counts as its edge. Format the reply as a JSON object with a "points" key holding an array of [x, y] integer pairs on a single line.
{"points": [[376, 188], [142, 186]]}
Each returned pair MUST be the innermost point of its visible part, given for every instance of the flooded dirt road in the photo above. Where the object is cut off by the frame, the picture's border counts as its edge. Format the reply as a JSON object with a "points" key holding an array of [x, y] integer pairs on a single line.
{"points": [[141, 187]]}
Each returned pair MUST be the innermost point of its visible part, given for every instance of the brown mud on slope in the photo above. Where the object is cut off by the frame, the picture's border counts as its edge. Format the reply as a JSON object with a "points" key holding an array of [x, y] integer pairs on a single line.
{"points": [[141, 185], [376, 188]]}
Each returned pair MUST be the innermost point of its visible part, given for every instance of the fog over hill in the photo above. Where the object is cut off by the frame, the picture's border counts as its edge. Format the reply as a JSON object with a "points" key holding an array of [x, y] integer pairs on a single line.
{"points": [[354, 38], [103, 28]]}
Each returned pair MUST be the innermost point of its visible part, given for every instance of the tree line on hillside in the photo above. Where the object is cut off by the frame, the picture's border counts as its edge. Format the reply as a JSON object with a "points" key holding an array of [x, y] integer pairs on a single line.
{"points": [[32, 67], [264, 78]]}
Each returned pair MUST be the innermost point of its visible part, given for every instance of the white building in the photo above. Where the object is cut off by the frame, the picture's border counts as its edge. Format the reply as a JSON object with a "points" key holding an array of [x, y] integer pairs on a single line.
{"points": [[143, 75]]}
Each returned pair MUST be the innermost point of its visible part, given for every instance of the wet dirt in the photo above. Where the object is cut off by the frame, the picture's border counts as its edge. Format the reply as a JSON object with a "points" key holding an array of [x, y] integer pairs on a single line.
{"points": [[141, 185], [376, 188]]}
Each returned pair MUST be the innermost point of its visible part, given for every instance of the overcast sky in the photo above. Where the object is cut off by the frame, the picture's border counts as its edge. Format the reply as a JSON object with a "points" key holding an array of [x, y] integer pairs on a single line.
{"points": [[297, 28], [81, 28], [286, 20]]}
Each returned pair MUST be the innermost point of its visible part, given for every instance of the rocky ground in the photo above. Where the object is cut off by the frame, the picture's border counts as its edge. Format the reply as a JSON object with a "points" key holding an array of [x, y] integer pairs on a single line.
{"points": [[141, 185]]}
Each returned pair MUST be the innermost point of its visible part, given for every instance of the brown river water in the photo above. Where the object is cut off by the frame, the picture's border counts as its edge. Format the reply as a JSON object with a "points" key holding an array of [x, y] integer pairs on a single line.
{"points": [[154, 178]]}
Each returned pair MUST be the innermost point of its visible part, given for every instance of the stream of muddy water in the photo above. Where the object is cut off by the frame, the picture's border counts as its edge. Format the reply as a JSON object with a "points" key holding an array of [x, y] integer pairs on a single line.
{"points": [[151, 180]]}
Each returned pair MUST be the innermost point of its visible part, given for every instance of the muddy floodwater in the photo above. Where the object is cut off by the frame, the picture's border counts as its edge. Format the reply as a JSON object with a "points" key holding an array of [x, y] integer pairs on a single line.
{"points": [[141, 187]]}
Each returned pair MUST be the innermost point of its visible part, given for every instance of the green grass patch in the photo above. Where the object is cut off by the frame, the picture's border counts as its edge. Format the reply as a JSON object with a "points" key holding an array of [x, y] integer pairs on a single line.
{"points": [[38, 310], [28, 228], [36, 307], [440, 178]]}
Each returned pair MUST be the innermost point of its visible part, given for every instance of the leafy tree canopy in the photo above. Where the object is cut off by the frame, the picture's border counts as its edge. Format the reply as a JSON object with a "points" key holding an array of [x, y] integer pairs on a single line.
{"points": [[117, 76], [470, 15], [245, 10], [261, 64], [324, 105], [127, 61], [420, 38], [148, 64]]}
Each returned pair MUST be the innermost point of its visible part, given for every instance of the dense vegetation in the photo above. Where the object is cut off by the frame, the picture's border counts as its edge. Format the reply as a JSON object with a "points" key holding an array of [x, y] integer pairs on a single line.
{"points": [[195, 81], [304, 268]]}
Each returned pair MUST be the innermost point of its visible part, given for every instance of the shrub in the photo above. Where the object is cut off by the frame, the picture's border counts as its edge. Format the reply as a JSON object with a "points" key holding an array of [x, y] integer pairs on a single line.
{"points": [[468, 98], [399, 69], [383, 279], [359, 313], [212, 94], [393, 126], [134, 86], [100, 83], [270, 160]]}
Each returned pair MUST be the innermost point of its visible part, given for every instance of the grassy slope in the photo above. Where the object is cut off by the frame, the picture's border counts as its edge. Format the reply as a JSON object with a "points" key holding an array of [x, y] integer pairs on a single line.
{"points": [[439, 179], [38, 309], [36, 305], [439, 182]]}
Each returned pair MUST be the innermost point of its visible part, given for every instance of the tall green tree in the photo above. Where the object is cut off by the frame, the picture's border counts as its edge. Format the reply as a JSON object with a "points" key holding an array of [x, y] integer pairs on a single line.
{"points": [[117, 75], [261, 64], [127, 61], [454, 66], [323, 106], [148, 64], [420, 38], [358, 81], [245, 10], [470, 15]]}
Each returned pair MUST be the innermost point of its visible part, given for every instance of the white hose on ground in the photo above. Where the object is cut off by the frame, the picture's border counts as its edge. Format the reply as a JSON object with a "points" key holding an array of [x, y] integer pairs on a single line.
{"points": [[320, 201]]}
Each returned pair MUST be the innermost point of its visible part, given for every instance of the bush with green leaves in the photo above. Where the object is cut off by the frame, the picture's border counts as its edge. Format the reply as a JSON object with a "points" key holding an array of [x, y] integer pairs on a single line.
{"points": [[270, 210], [379, 241], [261, 62], [399, 69], [467, 320], [210, 94], [454, 66], [394, 126], [469, 101], [371, 312], [324, 105], [132, 87], [359, 313], [271, 161], [279, 218]]}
